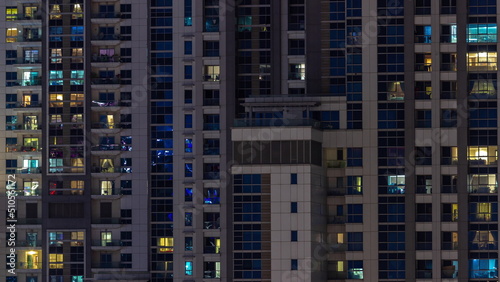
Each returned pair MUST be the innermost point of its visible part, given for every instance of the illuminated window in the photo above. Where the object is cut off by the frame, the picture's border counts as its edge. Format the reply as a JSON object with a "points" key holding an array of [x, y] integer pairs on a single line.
{"points": [[212, 73], [107, 187], [167, 243], [76, 52], [11, 35], [188, 268], [11, 13], [482, 183], [354, 185], [55, 261], [77, 10], [482, 33], [54, 11], [482, 155], [482, 61], [77, 186]]}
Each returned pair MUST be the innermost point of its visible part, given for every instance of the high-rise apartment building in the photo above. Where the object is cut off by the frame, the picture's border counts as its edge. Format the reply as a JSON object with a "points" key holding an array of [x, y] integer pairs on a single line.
{"points": [[249, 140]]}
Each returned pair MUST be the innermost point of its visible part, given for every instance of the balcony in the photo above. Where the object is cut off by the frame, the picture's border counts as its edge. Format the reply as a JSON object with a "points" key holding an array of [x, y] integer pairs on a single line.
{"points": [[207, 274], [337, 219], [25, 107], [28, 243], [105, 61], [110, 126], [37, 39], [211, 126], [211, 77], [106, 18], [111, 147], [24, 17], [23, 126], [66, 191], [106, 221], [97, 169], [29, 170], [27, 61], [278, 122], [28, 192], [100, 106], [336, 164], [24, 83], [106, 245], [29, 221], [338, 248], [211, 225], [211, 175], [106, 39], [211, 102], [336, 191], [107, 265], [29, 266], [22, 149]]}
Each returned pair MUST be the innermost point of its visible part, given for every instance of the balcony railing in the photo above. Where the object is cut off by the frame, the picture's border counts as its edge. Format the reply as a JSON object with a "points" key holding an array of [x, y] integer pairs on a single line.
{"points": [[336, 164], [211, 250], [211, 175], [17, 148], [110, 104], [28, 243], [108, 169], [24, 17], [106, 243], [106, 80], [23, 82], [28, 61], [29, 170], [103, 125], [339, 247], [106, 220], [211, 225], [106, 37], [211, 102], [111, 147], [211, 274], [23, 126], [275, 122], [211, 77], [211, 126], [337, 219], [211, 151], [483, 245], [29, 221], [28, 39], [107, 265], [336, 191], [29, 265], [106, 15], [19, 105], [105, 59], [28, 192]]}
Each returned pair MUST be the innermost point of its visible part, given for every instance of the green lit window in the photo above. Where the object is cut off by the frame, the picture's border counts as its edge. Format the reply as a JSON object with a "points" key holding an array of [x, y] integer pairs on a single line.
{"points": [[481, 33]]}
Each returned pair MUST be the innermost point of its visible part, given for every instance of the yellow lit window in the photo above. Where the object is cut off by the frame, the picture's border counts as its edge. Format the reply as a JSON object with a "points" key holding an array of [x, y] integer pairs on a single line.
{"points": [[483, 211], [11, 35], [56, 55], [340, 238], [10, 14], [340, 266], [77, 97], [167, 242], [75, 52], [77, 235], [55, 11], [482, 61], [55, 261]]}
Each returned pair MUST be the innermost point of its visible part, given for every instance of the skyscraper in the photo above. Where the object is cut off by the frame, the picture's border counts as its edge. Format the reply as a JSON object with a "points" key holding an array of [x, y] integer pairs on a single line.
{"points": [[250, 140]]}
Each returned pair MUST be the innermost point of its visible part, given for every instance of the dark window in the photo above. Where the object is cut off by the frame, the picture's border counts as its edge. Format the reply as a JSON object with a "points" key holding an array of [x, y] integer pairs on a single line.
{"points": [[355, 213], [188, 47], [423, 119], [211, 48], [448, 118], [448, 7], [293, 178], [424, 212], [424, 184], [354, 156], [424, 241], [296, 47], [423, 155], [294, 236], [293, 207], [354, 241], [422, 7]]}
